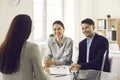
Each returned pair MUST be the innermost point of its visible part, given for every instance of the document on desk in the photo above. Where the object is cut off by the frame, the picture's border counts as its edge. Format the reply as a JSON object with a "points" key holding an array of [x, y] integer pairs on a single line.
{"points": [[60, 69]]}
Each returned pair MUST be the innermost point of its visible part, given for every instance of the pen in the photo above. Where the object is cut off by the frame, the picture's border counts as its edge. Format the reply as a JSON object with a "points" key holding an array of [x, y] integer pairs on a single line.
{"points": [[60, 75]]}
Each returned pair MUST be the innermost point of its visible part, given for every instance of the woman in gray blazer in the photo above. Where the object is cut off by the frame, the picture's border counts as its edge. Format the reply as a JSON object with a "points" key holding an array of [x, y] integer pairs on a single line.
{"points": [[60, 47], [19, 59]]}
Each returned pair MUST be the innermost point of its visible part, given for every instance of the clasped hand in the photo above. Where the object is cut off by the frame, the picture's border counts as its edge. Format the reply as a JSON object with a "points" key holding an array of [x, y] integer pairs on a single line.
{"points": [[48, 62]]}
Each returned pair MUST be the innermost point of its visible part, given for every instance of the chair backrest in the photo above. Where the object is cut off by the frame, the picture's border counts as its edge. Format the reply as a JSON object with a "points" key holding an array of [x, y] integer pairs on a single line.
{"points": [[103, 62]]}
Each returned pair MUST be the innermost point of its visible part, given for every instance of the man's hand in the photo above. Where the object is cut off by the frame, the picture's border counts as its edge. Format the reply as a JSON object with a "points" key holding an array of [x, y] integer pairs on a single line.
{"points": [[75, 66]]}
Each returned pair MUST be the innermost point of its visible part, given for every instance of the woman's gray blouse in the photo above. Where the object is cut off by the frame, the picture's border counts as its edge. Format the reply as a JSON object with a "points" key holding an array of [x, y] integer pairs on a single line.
{"points": [[62, 54]]}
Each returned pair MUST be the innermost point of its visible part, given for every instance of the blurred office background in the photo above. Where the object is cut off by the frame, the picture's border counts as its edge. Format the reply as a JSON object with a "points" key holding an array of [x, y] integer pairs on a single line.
{"points": [[45, 12]]}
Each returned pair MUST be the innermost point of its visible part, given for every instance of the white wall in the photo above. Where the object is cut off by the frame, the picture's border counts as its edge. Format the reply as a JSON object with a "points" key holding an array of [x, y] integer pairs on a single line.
{"points": [[104, 7], [7, 12], [69, 18]]}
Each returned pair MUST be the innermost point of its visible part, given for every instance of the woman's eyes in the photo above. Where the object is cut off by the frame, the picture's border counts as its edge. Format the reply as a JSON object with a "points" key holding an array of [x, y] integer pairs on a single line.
{"points": [[57, 29]]}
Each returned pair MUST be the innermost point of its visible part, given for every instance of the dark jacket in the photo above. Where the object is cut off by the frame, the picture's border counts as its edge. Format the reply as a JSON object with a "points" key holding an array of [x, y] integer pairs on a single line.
{"points": [[97, 49]]}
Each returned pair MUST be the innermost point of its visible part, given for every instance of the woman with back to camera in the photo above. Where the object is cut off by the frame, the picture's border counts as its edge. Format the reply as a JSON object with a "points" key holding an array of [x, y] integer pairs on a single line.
{"points": [[19, 58], [60, 47]]}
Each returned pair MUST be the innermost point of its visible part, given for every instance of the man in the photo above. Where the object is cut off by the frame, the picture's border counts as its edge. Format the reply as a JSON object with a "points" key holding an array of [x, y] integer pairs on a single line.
{"points": [[92, 49]]}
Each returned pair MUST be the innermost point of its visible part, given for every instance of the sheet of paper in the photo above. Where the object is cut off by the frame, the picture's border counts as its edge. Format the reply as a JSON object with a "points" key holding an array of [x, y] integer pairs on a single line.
{"points": [[59, 70]]}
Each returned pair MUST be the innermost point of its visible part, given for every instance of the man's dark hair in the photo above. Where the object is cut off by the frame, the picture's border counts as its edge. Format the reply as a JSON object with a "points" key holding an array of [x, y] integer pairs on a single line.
{"points": [[88, 21]]}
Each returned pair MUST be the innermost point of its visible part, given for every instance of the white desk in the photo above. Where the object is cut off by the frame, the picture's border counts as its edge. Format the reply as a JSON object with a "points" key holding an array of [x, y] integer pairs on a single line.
{"points": [[89, 74]]}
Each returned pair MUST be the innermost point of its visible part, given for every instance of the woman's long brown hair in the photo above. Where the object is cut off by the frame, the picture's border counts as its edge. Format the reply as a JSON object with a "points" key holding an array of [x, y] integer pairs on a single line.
{"points": [[10, 49]]}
